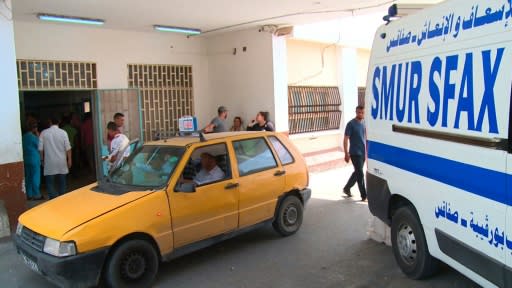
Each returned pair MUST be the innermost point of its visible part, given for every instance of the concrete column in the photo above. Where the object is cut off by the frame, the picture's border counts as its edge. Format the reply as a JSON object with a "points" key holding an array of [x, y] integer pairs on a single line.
{"points": [[11, 165], [348, 82], [280, 83]]}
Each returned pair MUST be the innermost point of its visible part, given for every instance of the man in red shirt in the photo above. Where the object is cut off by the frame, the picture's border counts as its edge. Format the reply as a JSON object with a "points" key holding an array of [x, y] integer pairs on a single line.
{"points": [[87, 140]]}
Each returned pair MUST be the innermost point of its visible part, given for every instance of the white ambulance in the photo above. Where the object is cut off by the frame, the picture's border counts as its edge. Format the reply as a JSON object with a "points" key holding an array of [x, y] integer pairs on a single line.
{"points": [[440, 141]]}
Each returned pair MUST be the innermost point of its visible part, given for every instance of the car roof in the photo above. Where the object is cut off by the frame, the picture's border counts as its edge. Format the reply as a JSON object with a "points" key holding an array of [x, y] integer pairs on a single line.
{"points": [[187, 140]]}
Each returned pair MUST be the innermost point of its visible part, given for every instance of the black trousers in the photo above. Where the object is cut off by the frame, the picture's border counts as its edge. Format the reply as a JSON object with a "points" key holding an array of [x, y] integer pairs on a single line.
{"points": [[358, 175]]}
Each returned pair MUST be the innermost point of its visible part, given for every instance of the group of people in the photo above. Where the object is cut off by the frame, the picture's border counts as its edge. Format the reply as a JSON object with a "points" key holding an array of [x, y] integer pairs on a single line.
{"points": [[50, 149], [55, 149], [218, 124], [64, 143]]}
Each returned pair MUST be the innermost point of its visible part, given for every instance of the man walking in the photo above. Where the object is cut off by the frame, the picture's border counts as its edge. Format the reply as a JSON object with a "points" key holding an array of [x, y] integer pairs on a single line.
{"points": [[355, 133], [55, 152], [218, 124]]}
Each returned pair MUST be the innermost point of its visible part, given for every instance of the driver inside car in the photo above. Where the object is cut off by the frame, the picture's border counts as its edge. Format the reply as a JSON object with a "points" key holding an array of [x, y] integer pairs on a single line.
{"points": [[210, 172]]}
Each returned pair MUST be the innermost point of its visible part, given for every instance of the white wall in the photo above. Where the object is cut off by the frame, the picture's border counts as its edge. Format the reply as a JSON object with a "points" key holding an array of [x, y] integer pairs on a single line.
{"points": [[244, 82], [10, 142], [305, 63], [112, 50], [280, 84], [363, 60], [348, 75]]}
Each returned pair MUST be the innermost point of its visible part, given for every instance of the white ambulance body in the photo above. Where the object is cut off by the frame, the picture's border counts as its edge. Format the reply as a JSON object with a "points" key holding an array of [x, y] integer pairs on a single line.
{"points": [[439, 138]]}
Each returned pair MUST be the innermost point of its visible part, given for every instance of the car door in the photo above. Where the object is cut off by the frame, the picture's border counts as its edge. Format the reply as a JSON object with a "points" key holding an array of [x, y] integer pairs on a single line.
{"points": [[201, 211], [261, 180]]}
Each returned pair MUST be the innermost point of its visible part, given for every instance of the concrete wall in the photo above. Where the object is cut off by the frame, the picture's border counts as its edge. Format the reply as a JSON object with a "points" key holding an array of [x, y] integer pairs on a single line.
{"points": [[244, 81], [363, 60], [11, 167], [305, 63], [112, 50], [10, 143], [344, 67]]}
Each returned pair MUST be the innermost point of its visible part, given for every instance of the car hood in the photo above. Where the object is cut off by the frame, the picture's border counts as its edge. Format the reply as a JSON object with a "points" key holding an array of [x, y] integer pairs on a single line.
{"points": [[58, 216]]}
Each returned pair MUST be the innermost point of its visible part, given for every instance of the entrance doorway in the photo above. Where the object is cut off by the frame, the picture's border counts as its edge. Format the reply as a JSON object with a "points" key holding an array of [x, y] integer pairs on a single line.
{"points": [[71, 107]]}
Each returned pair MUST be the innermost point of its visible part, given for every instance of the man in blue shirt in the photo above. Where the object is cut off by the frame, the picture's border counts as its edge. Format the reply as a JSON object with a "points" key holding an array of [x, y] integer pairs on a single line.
{"points": [[355, 133]]}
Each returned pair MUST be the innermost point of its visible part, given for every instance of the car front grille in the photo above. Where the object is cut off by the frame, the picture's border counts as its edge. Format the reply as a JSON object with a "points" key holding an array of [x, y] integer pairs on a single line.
{"points": [[33, 239]]}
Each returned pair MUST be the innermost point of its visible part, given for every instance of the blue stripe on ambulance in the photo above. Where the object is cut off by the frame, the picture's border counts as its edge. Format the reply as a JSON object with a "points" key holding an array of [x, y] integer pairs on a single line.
{"points": [[480, 181]]}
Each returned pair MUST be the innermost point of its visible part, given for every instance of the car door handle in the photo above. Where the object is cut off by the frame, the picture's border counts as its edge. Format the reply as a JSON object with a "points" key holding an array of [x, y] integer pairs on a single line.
{"points": [[231, 186], [280, 173]]}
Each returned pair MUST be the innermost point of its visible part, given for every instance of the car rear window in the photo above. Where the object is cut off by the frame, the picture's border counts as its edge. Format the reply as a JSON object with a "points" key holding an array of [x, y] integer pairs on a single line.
{"points": [[253, 155], [284, 155]]}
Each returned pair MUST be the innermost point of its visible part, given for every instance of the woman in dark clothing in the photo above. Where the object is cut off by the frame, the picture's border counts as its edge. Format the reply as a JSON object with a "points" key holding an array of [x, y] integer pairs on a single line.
{"points": [[260, 123]]}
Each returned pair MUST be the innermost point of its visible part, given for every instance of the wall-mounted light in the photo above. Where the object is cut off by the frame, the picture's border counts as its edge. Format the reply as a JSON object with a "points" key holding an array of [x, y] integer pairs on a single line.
{"points": [[69, 19], [188, 31]]}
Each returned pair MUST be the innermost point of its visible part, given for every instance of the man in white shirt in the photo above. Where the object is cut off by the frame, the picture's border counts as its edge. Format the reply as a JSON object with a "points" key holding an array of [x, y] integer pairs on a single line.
{"points": [[55, 152], [210, 172], [119, 147]]}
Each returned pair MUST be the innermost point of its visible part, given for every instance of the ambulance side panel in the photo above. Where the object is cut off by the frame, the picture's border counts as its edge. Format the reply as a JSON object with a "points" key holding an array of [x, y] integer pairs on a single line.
{"points": [[437, 110]]}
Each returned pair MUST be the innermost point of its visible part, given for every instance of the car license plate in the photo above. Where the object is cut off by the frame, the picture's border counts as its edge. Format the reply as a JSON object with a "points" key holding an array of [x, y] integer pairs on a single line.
{"points": [[31, 264]]}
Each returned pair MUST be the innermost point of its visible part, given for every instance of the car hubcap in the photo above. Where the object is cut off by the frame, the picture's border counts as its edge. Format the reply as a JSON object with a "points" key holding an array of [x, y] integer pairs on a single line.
{"points": [[406, 242], [290, 215], [133, 266]]}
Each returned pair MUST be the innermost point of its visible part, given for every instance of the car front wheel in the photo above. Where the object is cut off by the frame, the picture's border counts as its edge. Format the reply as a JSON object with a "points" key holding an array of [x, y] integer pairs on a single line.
{"points": [[410, 246], [288, 218], [133, 264]]}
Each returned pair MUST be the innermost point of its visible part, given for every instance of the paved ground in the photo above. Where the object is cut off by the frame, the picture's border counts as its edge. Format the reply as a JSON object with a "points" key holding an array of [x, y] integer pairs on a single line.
{"points": [[331, 250]]}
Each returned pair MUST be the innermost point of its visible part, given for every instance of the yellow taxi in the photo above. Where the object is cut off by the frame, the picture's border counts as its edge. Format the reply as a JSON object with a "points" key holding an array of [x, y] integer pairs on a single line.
{"points": [[168, 198]]}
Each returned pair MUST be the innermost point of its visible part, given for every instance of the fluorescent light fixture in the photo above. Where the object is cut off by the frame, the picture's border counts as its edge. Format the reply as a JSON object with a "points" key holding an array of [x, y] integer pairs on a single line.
{"points": [[189, 31], [69, 19]]}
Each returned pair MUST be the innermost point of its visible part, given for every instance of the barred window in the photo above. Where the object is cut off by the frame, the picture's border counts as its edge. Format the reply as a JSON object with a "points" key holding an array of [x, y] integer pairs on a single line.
{"points": [[167, 95], [312, 109]]}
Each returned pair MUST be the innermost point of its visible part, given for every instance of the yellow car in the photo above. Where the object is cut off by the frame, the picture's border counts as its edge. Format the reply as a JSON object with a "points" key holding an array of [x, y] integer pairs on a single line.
{"points": [[169, 198]]}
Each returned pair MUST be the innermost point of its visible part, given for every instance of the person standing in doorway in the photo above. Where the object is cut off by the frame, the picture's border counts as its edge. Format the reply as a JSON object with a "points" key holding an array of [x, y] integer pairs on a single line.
{"points": [[355, 133], [87, 140], [218, 124], [32, 161], [73, 139], [119, 148], [55, 151]]}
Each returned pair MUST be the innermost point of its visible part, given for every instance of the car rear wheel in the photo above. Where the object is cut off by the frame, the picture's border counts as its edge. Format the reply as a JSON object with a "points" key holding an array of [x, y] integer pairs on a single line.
{"points": [[289, 216], [410, 246], [133, 264]]}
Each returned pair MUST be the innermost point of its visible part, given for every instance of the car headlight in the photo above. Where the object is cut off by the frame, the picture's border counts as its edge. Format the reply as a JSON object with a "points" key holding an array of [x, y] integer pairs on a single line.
{"points": [[59, 249], [19, 228]]}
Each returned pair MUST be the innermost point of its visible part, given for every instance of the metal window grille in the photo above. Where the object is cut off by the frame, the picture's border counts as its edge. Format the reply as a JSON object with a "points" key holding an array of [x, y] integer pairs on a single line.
{"points": [[312, 109], [42, 74], [167, 95]]}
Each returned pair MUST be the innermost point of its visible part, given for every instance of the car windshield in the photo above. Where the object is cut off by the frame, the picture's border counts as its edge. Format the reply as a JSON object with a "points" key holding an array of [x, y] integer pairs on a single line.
{"points": [[148, 167]]}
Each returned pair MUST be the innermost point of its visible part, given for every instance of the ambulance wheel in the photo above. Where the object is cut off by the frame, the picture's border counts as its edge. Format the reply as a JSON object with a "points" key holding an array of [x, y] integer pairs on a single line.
{"points": [[288, 218], [410, 246], [132, 264]]}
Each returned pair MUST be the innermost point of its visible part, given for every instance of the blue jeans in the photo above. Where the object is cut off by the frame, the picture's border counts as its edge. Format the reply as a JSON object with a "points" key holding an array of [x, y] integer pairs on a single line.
{"points": [[358, 175], [50, 185], [32, 179]]}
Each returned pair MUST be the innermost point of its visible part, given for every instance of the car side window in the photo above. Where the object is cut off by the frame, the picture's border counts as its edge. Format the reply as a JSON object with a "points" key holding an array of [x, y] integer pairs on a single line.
{"points": [[253, 155], [206, 165], [284, 155]]}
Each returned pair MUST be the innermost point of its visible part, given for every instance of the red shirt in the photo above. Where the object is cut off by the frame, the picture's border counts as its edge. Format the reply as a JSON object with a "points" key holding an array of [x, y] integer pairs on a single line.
{"points": [[86, 133]]}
